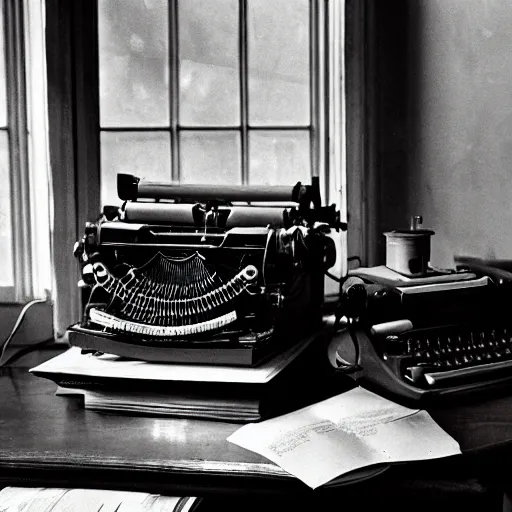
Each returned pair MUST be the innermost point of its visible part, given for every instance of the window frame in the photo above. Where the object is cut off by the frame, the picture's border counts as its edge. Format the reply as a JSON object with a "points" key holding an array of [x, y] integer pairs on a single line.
{"points": [[327, 90], [17, 132], [175, 127], [26, 130]]}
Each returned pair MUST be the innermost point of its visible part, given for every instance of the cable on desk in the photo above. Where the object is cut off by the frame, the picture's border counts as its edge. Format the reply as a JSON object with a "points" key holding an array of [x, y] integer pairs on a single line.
{"points": [[17, 325], [50, 342], [333, 277], [354, 258]]}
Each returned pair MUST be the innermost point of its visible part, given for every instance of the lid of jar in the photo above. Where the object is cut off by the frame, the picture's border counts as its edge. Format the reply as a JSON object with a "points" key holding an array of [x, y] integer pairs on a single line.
{"points": [[409, 233]]}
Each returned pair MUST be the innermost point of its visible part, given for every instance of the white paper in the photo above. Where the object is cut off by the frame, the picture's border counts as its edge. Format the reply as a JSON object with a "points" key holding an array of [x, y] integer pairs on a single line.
{"points": [[73, 362], [353, 430], [439, 287], [87, 500]]}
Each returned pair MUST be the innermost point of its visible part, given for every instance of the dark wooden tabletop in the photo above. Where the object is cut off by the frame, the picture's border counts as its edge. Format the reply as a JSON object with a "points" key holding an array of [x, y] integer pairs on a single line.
{"points": [[50, 440]]}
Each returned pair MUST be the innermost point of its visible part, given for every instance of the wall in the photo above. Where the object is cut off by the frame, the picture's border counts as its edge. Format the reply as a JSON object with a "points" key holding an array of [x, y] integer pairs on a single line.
{"points": [[443, 85]]}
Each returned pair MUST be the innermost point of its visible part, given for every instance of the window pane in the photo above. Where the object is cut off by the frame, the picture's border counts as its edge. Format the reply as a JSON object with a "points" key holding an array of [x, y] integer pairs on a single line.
{"points": [[278, 58], [279, 157], [146, 155], [209, 69], [3, 102], [210, 157], [6, 268], [133, 58]]}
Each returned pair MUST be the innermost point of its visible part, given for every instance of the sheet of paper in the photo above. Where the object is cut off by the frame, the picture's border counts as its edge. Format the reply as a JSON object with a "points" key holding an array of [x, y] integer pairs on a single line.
{"points": [[347, 432], [439, 287], [385, 275], [36, 499], [72, 362]]}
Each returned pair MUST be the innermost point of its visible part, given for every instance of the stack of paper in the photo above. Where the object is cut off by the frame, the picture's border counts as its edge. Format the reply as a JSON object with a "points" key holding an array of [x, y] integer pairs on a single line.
{"points": [[15, 499], [347, 432], [384, 275], [178, 405], [72, 364], [112, 383]]}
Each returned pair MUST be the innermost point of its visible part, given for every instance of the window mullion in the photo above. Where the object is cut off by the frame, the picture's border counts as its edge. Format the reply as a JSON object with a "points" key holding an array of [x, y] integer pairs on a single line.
{"points": [[244, 92], [174, 89], [18, 150], [316, 84], [321, 43]]}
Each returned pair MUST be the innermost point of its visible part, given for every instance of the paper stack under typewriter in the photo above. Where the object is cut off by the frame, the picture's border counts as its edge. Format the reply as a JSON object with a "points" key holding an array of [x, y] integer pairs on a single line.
{"points": [[208, 275]]}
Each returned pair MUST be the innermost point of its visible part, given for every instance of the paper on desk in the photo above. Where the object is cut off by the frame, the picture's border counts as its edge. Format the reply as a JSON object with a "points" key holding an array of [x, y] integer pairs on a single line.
{"points": [[73, 362], [89, 500], [347, 432]]}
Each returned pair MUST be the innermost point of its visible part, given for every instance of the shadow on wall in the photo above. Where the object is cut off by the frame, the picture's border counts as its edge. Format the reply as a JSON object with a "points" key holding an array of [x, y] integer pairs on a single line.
{"points": [[444, 99], [390, 81]]}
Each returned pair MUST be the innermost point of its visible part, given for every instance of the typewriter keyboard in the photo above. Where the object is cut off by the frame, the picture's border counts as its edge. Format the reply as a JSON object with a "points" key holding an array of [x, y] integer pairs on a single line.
{"points": [[444, 357]]}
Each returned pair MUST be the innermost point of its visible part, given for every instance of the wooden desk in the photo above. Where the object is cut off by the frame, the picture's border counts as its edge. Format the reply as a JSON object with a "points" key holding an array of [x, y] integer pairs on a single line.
{"points": [[52, 441]]}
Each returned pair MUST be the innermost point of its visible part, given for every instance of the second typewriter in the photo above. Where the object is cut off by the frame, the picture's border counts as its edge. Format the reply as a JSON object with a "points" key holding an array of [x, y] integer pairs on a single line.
{"points": [[429, 337], [213, 274]]}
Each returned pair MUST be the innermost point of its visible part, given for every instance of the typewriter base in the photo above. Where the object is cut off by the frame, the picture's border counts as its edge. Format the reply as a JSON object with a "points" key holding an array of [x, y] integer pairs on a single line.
{"points": [[219, 352]]}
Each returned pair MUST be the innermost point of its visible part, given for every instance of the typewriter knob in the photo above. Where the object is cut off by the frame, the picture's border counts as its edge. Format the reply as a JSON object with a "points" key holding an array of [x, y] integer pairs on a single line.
{"points": [[90, 234], [78, 249], [394, 345], [329, 250], [321, 227], [87, 276], [110, 212], [250, 273]]}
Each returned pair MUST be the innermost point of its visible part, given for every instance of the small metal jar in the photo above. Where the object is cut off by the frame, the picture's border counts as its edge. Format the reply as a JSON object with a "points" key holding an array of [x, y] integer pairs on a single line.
{"points": [[408, 251]]}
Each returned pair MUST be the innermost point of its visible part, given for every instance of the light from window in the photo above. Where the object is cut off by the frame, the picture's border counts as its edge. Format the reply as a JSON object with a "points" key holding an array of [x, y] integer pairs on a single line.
{"points": [[25, 270], [6, 239], [278, 61], [205, 91], [209, 63]]}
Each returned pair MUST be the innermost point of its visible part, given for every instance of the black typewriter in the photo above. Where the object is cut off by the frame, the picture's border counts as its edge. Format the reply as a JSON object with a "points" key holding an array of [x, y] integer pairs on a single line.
{"points": [[428, 340], [204, 269]]}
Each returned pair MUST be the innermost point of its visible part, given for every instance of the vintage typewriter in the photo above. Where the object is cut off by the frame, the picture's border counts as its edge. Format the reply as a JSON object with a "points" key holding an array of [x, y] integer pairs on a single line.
{"points": [[426, 339], [204, 273]]}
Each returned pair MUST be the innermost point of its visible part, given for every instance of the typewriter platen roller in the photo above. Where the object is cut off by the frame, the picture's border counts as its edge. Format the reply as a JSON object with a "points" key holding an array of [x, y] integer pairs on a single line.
{"points": [[180, 265]]}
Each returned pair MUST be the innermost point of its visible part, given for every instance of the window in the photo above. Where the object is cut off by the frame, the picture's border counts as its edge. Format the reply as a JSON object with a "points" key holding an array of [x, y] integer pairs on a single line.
{"points": [[24, 204], [229, 91], [201, 91]]}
